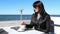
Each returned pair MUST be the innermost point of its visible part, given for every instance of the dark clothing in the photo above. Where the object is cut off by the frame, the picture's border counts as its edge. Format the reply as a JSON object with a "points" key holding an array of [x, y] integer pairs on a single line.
{"points": [[41, 24]]}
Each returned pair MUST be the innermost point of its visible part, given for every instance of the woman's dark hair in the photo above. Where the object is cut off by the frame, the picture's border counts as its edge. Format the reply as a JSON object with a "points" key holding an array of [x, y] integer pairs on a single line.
{"points": [[40, 6]]}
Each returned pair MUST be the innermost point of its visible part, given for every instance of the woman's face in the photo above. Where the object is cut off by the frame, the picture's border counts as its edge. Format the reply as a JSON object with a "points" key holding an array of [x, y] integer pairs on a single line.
{"points": [[36, 9]]}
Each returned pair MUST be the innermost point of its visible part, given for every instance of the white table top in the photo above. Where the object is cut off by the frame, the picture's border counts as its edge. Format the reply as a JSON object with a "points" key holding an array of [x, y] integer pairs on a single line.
{"points": [[12, 31]]}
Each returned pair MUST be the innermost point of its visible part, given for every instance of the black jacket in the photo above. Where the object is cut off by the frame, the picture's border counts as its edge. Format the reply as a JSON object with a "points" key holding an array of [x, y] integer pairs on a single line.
{"points": [[41, 24]]}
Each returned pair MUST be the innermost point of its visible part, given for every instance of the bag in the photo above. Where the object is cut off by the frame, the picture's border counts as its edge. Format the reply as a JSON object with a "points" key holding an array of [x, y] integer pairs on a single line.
{"points": [[3, 31]]}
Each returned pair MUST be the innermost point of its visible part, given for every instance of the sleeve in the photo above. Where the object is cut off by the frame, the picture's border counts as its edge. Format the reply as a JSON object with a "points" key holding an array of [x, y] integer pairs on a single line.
{"points": [[31, 24]]}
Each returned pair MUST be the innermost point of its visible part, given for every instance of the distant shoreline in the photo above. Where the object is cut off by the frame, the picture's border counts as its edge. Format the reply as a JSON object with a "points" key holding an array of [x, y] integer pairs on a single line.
{"points": [[17, 17], [30, 15]]}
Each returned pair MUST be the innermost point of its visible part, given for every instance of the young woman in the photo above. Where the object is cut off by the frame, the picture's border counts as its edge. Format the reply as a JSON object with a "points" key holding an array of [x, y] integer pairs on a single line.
{"points": [[40, 19]]}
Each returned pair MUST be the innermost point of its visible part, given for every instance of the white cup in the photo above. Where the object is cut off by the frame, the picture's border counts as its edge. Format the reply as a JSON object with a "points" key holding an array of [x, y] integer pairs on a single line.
{"points": [[22, 28]]}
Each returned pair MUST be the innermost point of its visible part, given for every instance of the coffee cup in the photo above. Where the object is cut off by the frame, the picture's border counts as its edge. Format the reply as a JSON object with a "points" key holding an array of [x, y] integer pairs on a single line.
{"points": [[22, 27]]}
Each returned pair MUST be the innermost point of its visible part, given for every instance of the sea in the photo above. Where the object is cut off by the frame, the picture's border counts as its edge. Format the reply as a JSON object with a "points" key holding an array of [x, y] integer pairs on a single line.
{"points": [[18, 17]]}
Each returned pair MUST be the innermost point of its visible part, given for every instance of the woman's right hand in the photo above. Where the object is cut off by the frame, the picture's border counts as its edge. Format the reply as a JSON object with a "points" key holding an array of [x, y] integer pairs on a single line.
{"points": [[22, 23]]}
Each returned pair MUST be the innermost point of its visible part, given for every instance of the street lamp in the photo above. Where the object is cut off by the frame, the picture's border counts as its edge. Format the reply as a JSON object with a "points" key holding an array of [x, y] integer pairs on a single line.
{"points": [[21, 13], [37, 0]]}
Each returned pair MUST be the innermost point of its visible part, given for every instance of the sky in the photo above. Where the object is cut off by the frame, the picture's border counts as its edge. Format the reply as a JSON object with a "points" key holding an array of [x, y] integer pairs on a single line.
{"points": [[12, 7]]}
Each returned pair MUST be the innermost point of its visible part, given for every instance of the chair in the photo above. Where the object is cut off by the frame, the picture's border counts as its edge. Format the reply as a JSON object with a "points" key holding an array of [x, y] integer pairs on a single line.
{"points": [[51, 27]]}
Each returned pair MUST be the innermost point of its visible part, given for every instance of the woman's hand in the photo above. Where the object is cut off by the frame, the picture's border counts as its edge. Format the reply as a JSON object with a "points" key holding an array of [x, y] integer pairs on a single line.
{"points": [[22, 23]]}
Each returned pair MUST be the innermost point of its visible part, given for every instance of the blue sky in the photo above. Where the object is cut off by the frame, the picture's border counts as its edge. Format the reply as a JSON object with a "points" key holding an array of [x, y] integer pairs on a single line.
{"points": [[13, 7]]}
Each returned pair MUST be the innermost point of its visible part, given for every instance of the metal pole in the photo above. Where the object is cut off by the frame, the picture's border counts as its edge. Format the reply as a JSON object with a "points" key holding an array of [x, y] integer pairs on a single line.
{"points": [[21, 14]]}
